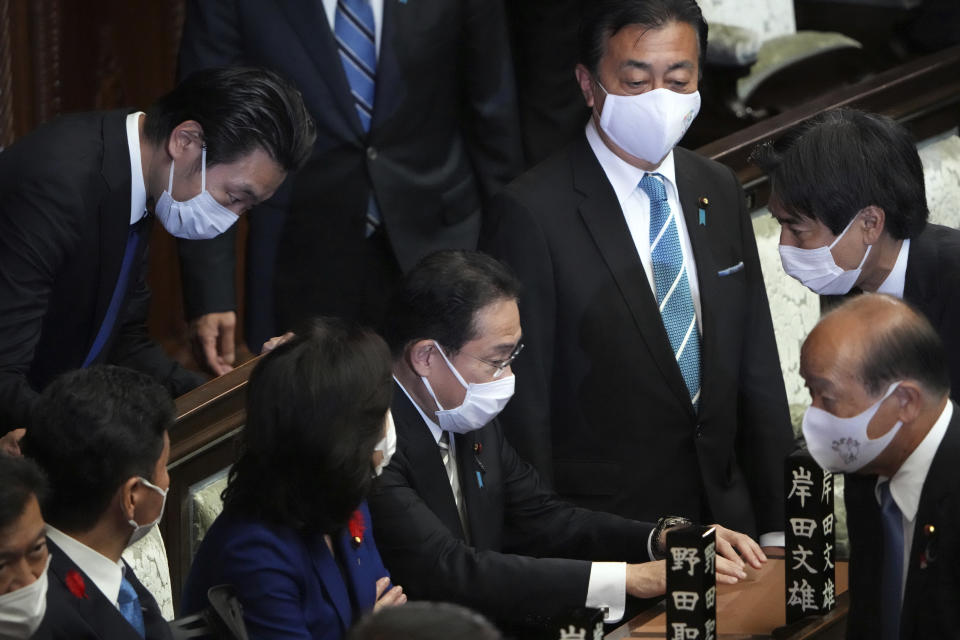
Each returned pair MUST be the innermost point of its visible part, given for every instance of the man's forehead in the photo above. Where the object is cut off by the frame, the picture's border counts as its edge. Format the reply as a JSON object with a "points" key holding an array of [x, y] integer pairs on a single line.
{"points": [[638, 44], [497, 321]]}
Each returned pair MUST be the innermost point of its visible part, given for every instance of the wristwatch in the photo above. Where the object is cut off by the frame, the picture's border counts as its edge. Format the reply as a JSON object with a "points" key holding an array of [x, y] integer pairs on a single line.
{"points": [[659, 546]]}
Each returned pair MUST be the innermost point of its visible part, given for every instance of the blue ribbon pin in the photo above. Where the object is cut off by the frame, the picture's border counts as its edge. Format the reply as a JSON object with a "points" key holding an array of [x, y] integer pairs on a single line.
{"points": [[703, 211]]}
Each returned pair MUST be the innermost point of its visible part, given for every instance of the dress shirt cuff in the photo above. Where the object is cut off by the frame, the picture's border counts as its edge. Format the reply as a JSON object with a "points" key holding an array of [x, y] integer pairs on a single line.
{"points": [[608, 589], [772, 539]]}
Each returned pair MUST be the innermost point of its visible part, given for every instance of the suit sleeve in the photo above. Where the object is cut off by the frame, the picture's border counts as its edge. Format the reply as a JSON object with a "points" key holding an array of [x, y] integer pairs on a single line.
{"points": [[512, 235], [36, 236], [133, 347], [539, 523], [489, 115], [211, 38], [765, 435], [430, 563]]}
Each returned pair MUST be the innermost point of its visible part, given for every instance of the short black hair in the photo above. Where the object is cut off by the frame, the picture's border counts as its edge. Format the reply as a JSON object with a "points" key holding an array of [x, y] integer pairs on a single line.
{"points": [[424, 621], [603, 19], [440, 297], [240, 109], [840, 161], [315, 411], [20, 478], [904, 349], [92, 430]]}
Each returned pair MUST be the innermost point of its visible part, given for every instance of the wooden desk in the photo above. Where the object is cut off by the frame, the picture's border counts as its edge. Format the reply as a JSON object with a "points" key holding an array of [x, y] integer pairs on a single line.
{"points": [[752, 610]]}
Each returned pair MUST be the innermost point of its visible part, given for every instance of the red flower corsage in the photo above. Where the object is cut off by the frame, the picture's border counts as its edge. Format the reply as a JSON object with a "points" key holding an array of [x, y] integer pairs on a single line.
{"points": [[357, 526], [76, 585]]}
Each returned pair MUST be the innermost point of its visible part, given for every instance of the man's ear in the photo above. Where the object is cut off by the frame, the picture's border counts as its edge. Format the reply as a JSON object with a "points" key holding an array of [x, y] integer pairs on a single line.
{"points": [[909, 399], [422, 357], [129, 496], [874, 220], [585, 80], [185, 142]]}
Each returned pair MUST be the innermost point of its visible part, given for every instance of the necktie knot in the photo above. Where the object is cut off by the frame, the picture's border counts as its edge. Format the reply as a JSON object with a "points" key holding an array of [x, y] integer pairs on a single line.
{"points": [[653, 187]]}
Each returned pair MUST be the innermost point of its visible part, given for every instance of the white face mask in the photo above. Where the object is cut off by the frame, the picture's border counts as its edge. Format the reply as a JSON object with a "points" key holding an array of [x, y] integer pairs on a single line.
{"points": [[140, 530], [21, 611], [841, 445], [199, 218], [481, 404], [648, 125], [387, 445], [817, 269]]}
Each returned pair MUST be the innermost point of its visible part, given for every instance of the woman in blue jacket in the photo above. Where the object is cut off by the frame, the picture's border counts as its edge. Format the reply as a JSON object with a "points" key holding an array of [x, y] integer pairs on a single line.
{"points": [[295, 537]]}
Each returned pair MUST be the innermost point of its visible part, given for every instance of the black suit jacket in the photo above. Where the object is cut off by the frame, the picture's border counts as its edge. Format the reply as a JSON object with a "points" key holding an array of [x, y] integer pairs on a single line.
{"points": [[92, 617], [64, 223], [601, 408], [443, 139], [931, 604], [521, 536]]}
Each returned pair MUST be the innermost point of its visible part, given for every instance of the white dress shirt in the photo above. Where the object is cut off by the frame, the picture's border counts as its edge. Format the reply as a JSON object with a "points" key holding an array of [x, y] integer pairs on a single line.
{"points": [[907, 483], [138, 188], [635, 204], [895, 281], [330, 8], [607, 587], [104, 572]]}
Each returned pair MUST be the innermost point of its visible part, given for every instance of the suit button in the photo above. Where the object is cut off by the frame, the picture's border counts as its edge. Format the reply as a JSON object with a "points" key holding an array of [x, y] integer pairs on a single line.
{"points": [[699, 431], [372, 153]]}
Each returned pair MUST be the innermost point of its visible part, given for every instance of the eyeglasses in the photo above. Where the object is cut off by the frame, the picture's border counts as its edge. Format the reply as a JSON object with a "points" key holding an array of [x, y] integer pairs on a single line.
{"points": [[499, 365]]}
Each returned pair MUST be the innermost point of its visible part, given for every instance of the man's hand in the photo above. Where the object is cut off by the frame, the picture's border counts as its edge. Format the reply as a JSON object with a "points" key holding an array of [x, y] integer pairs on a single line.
{"points": [[214, 341], [273, 343], [392, 598], [10, 442], [729, 543]]}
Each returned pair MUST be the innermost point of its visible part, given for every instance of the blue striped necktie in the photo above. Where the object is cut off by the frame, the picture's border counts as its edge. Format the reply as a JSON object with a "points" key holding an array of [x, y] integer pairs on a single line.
{"points": [[892, 576], [129, 604], [355, 32], [672, 286]]}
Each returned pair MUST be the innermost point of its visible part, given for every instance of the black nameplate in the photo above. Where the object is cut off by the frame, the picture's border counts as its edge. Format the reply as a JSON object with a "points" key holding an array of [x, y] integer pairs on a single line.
{"points": [[691, 584]]}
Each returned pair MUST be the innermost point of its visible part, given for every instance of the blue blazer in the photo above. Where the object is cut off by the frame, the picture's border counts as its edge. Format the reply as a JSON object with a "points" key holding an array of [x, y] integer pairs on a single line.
{"points": [[290, 586]]}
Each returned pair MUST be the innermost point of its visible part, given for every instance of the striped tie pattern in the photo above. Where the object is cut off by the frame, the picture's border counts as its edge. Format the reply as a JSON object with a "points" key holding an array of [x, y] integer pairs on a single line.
{"points": [[354, 30], [672, 286]]}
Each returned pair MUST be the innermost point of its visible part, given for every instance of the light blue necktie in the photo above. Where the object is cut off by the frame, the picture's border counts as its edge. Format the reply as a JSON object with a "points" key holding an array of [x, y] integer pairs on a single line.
{"points": [[355, 32], [129, 604], [892, 582], [672, 286]]}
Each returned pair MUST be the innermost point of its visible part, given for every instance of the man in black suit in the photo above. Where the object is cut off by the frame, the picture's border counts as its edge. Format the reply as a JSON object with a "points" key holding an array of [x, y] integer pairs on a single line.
{"points": [[77, 201], [388, 183], [100, 434], [23, 549], [458, 515], [881, 413], [849, 195], [650, 382]]}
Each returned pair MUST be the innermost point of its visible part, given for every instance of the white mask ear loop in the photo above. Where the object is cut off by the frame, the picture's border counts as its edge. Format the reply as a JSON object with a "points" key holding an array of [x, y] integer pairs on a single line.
{"points": [[843, 233], [452, 368], [203, 169], [170, 183]]}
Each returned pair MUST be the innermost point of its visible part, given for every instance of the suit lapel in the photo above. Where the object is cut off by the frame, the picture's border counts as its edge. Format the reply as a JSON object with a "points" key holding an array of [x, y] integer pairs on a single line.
{"points": [[426, 466], [390, 91], [334, 584], [602, 215], [310, 22], [114, 214], [97, 612], [921, 278], [703, 257], [473, 486], [941, 483]]}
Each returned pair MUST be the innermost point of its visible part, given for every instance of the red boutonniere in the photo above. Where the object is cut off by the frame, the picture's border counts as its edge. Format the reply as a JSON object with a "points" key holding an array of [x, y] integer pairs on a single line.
{"points": [[76, 585], [357, 526]]}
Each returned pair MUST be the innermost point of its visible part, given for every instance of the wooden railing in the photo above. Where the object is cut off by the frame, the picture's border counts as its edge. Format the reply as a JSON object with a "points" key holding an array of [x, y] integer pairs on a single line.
{"points": [[924, 95]]}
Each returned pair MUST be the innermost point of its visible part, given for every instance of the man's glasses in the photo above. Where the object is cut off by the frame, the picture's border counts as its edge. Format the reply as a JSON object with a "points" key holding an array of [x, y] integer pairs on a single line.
{"points": [[500, 365]]}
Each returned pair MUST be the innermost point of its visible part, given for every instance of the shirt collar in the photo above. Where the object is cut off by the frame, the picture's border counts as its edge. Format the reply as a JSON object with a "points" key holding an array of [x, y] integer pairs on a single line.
{"points": [[104, 572], [623, 176], [138, 188], [907, 483], [433, 426], [895, 281]]}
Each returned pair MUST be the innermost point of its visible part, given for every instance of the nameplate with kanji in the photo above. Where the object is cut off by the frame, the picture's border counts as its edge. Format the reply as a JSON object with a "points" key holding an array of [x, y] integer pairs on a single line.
{"points": [[810, 585], [691, 584]]}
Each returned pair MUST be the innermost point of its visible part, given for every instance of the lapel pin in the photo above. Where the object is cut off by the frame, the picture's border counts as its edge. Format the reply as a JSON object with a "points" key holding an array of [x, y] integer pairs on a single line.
{"points": [[704, 202], [477, 448], [479, 480]]}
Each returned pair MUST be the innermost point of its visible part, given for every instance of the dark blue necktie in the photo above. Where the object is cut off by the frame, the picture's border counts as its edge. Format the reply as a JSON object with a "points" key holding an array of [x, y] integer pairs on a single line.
{"points": [[672, 286], [892, 581], [129, 604], [119, 295]]}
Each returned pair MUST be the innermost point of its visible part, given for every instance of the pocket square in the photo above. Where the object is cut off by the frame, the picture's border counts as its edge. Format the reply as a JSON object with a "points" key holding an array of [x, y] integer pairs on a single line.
{"points": [[729, 270]]}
